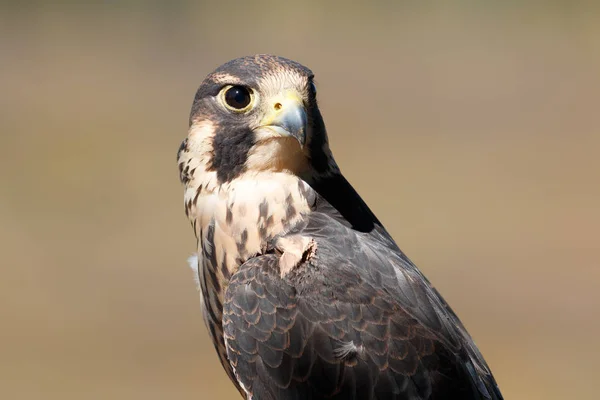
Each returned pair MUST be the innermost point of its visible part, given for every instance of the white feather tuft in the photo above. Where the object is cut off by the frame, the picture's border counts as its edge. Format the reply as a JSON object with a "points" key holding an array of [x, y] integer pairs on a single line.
{"points": [[193, 263]]}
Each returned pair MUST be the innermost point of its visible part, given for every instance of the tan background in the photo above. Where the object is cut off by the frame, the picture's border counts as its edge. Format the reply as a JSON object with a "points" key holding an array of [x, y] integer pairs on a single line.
{"points": [[472, 130]]}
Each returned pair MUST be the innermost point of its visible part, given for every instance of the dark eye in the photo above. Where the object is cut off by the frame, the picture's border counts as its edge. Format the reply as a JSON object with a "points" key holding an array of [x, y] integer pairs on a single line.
{"points": [[238, 97]]}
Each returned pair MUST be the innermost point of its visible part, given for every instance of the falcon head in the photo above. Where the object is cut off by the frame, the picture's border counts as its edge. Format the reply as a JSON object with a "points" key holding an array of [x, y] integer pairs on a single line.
{"points": [[257, 114]]}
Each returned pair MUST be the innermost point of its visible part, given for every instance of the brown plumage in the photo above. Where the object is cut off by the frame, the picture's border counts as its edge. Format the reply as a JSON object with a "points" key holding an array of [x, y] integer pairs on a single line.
{"points": [[305, 294]]}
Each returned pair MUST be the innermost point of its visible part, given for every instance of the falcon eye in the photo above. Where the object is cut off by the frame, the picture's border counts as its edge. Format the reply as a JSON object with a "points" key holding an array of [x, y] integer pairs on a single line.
{"points": [[237, 98]]}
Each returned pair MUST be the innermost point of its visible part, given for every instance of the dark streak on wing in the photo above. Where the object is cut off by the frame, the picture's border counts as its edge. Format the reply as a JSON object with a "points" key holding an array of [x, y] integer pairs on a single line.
{"points": [[318, 158], [358, 321]]}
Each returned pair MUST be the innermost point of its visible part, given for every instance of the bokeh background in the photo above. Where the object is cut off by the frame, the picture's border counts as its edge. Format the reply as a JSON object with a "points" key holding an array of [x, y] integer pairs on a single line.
{"points": [[471, 128]]}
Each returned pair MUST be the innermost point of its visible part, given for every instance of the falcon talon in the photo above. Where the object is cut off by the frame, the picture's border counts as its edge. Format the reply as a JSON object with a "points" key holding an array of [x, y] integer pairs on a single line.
{"points": [[261, 189]]}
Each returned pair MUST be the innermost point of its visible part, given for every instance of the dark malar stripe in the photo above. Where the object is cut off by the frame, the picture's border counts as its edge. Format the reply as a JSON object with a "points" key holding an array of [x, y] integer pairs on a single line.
{"points": [[230, 151]]}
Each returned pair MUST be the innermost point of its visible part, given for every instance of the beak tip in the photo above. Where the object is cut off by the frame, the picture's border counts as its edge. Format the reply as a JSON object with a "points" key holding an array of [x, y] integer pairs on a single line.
{"points": [[293, 120]]}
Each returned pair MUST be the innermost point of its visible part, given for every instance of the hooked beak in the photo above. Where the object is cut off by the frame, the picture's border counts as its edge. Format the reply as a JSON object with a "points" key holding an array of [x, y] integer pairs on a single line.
{"points": [[287, 116]]}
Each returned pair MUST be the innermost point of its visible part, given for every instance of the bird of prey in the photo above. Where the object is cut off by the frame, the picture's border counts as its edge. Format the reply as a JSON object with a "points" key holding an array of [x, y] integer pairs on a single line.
{"points": [[304, 292]]}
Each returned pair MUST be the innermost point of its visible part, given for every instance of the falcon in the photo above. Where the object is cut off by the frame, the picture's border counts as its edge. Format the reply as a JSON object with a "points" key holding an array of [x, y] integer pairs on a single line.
{"points": [[304, 292]]}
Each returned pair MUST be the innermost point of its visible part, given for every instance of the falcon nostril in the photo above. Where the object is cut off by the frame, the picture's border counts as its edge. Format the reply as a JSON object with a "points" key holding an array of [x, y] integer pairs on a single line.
{"points": [[278, 106]]}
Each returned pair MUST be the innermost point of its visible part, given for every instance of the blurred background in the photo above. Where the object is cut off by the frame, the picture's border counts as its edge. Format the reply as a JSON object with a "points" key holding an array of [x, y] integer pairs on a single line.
{"points": [[471, 129]]}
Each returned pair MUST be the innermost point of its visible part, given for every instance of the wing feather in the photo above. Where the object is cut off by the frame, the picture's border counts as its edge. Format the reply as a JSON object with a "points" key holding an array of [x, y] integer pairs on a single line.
{"points": [[357, 320]]}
